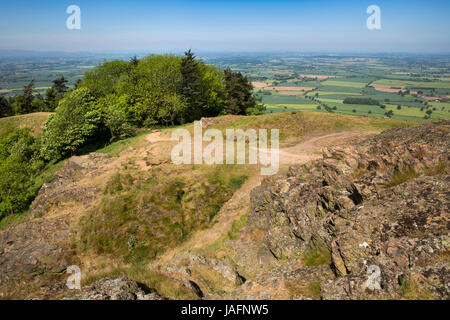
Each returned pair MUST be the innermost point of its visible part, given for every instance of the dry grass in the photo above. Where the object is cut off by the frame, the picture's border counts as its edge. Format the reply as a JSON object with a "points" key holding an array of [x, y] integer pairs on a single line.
{"points": [[439, 168], [294, 127], [153, 280], [311, 290], [215, 282], [400, 177], [34, 121], [142, 215], [316, 256], [412, 290]]}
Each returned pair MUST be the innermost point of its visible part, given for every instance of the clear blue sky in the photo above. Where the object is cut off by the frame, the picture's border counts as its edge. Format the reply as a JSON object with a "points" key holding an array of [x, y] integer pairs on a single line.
{"points": [[226, 25]]}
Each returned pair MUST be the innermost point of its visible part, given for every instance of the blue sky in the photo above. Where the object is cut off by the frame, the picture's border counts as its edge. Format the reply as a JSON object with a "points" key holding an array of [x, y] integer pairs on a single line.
{"points": [[216, 25]]}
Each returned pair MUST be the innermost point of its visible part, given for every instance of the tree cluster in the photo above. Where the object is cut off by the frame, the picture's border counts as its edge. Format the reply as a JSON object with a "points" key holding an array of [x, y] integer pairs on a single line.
{"points": [[106, 105]]}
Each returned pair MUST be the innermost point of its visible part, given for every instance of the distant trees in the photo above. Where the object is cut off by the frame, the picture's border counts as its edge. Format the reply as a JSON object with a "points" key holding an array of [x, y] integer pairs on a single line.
{"points": [[357, 100], [389, 113], [22, 103], [155, 90], [112, 98], [134, 61], [28, 97], [55, 93], [5, 107]]}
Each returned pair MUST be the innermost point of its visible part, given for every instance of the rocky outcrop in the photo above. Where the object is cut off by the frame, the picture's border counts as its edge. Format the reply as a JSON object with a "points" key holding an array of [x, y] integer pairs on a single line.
{"points": [[41, 245], [367, 221], [380, 208], [119, 288], [64, 186]]}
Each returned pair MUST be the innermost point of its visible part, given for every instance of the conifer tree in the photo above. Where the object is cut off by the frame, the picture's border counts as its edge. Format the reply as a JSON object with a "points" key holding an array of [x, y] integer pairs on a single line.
{"points": [[191, 86]]}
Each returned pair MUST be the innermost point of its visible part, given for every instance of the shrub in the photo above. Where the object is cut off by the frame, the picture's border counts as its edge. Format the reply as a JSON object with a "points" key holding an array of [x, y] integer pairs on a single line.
{"points": [[17, 187], [75, 124]]}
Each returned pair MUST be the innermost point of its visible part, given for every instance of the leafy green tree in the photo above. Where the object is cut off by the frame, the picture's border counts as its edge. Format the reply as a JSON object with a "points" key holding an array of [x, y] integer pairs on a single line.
{"points": [[116, 116], [16, 187], [38, 104], [77, 83], [106, 77], [174, 108], [214, 92], [19, 104], [148, 85], [76, 123]]}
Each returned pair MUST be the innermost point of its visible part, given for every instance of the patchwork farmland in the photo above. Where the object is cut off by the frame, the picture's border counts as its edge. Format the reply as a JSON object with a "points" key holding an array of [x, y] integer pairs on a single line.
{"points": [[406, 88], [412, 87]]}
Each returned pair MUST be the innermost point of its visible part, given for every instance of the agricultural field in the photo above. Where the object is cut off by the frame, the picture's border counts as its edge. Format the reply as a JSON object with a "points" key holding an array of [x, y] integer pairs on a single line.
{"points": [[411, 87], [415, 88], [17, 69]]}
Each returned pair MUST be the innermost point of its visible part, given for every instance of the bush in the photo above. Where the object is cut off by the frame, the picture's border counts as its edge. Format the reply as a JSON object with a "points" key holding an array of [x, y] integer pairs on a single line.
{"points": [[76, 123], [117, 124], [17, 187]]}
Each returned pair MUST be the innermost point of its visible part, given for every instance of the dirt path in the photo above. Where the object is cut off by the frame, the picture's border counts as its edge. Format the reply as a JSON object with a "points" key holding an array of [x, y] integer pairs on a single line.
{"points": [[239, 204], [158, 136]]}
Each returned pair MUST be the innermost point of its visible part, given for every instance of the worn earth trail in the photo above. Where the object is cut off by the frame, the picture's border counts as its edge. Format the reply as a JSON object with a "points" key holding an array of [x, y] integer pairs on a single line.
{"points": [[239, 204]]}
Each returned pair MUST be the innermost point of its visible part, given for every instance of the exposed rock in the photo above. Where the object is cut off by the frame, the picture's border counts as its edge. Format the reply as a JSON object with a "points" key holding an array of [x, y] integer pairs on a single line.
{"points": [[120, 288], [64, 188], [41, 245], [382, 203]]}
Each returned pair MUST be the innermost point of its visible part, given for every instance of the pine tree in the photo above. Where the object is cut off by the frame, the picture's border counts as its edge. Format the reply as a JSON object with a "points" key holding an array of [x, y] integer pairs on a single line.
{"points": [[191, 86], [5, 107], [50, 99], [60, 85], [240, 96], [28, 96], [134, 61]]}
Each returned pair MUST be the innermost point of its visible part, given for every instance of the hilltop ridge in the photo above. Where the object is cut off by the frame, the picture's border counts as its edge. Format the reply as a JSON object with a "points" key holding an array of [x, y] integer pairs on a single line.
{"points": [[281, 237]]}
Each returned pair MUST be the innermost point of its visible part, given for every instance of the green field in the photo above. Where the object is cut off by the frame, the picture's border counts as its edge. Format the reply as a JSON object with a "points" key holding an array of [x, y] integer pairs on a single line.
{"points": [[430, 75], [340, 83]]}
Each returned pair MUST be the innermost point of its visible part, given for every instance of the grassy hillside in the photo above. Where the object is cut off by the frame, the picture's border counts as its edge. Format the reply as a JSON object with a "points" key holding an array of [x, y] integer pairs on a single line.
{"points": [[140, 205], [35, 121], [296, 125]]}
